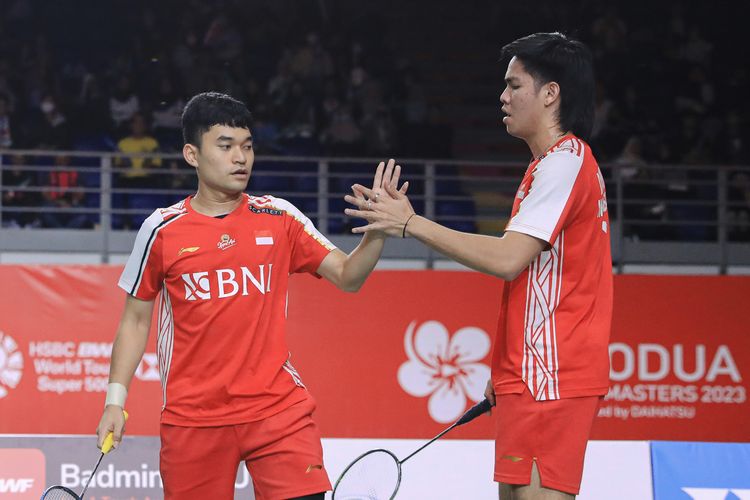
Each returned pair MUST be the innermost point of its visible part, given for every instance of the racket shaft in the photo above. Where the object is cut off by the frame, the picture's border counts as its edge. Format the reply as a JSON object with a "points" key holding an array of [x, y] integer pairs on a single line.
{"points": [[472, 413], [88, 481]]}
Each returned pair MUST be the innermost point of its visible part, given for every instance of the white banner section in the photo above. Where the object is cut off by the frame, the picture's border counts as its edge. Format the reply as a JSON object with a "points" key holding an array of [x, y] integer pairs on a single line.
{"points": [[461, 469]]}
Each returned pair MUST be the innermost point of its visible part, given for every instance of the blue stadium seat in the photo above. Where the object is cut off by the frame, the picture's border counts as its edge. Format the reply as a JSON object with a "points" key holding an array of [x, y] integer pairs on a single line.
{"points": [[456, 208]]}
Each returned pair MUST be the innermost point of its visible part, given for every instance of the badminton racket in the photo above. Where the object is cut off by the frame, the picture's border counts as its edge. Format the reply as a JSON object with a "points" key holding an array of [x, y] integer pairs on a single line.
{"points": [[376, 474], [62, 493]]}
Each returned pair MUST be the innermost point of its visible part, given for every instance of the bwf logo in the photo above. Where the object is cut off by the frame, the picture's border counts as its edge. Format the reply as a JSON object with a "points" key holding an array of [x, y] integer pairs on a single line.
{"points": [[22, 473], [11, 364], [227, 282], [445, 367]]}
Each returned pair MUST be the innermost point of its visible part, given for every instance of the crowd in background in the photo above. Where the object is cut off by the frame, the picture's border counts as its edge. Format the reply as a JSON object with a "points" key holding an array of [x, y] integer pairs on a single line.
{"points": [[326, 79], [73, 79]]}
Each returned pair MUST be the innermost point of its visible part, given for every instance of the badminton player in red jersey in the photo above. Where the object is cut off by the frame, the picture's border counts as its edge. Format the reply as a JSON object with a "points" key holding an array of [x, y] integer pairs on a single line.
{"points": [[220, 261], [550, 364]]}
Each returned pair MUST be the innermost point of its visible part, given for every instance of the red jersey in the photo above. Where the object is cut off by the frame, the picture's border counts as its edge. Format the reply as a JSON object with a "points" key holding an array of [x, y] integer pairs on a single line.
{"points": [[555, 318], [221, 343]]}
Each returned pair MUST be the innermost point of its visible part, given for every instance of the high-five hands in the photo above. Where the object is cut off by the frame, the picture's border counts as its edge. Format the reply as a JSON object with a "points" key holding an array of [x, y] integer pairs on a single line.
{"points": [[385, 207]]}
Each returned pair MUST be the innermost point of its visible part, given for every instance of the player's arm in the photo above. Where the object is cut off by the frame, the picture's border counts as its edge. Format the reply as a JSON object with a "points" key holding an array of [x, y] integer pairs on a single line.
{"points": [[127, 351], [504, 257], [349, 272]]}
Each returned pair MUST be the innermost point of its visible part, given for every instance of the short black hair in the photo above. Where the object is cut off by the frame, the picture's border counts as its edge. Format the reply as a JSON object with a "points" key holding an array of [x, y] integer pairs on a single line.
{"points": [[207, 109], [553, 57]]}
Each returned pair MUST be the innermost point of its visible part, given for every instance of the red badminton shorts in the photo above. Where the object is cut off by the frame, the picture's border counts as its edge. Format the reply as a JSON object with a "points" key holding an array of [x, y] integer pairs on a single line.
{"points": [[551, 433], [282, 453]]}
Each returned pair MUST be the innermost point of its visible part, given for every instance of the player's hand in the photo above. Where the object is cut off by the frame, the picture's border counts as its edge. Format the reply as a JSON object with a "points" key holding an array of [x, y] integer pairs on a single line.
{"points": [[113, 420], [386, 176], [489, 392], [387, 208]]}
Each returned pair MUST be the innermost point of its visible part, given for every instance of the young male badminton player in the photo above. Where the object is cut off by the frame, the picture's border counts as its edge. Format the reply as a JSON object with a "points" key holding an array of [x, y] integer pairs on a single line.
{"points": [[221, 260], [550, 363]]}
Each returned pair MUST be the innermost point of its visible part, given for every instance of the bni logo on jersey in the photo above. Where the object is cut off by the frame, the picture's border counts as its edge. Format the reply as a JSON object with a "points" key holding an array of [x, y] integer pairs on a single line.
{"points": [[227, 282]]}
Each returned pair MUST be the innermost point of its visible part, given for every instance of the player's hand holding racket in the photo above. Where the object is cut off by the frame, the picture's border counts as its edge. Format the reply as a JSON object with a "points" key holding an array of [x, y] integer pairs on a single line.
{"points": [[113, 415], [376, 475], [112, 423]]}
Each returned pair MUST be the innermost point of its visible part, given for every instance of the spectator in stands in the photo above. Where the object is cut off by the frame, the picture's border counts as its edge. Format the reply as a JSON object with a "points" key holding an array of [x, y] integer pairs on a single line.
{"points": [[223, 38], [166, 116], [628, 164], [738, 215], [696, 49], [61, 200], [6, 81], [380, 133], [735, 140], [312, 63], [16, 178], [343, 136], [357, 89], [134, 169], [51, 130], [610, 31], [123, 103], [266, 132], [91, 122], [280, 84], [139, 141], [638, 184], [696, 93], [329, 104], [6, 137], [602, 112], [298, 113]]}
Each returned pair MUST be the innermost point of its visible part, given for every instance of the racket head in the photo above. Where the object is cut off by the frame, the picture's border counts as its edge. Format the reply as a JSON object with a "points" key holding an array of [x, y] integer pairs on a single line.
{"points": [[59, 493], [374, 475]]}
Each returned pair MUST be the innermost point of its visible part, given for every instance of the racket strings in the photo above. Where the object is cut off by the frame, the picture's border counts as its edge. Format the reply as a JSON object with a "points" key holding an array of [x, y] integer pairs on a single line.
{"points": [[374, 476]]}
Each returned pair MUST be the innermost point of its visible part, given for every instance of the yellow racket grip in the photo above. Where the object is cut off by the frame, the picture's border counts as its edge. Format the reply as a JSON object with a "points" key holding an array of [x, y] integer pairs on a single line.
{"points": [[107, 444]]}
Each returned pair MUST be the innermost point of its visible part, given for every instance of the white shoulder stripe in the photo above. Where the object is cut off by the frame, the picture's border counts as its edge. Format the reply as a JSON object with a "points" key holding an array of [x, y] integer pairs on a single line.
{"points": [[551, 186], [294, 212], [131, 277]]}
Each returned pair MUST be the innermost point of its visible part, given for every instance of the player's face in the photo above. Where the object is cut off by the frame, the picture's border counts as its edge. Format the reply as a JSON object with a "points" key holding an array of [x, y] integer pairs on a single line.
{"points": [[522, 102], [225, 158]]}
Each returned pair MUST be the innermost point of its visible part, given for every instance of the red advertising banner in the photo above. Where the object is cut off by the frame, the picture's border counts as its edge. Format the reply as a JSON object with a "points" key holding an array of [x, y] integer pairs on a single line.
{"points": [[679, 360], [400, 359]]}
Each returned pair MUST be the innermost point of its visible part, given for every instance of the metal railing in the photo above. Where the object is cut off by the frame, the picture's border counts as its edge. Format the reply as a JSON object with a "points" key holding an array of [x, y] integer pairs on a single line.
{"points": [[706, 208]]}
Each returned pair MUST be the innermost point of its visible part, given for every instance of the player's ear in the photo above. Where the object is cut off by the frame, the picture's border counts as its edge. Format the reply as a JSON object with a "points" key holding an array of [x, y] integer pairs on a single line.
{"points": [[551, 93], [190, 153]]}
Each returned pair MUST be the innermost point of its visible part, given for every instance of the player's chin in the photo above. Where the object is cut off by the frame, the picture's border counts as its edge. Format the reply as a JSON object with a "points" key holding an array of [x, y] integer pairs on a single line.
{"points": [[239, 182], [511, 129], [508, 122]]}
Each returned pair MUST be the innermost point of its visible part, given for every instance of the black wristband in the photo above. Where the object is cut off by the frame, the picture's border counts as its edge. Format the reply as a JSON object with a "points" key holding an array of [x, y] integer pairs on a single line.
{"points": [[403, 233]]}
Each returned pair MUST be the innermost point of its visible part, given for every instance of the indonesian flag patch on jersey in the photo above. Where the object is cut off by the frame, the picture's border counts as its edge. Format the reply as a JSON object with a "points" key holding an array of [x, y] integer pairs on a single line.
{"points": [[263, 238]]}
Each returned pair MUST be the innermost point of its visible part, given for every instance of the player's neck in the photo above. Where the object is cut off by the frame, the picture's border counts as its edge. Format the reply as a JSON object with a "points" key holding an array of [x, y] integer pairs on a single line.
{"points": [[543, 140], [208, 202]]}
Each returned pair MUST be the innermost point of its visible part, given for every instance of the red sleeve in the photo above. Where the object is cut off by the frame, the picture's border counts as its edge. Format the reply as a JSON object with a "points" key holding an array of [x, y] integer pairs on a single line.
{"points": [[308, 245]]}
